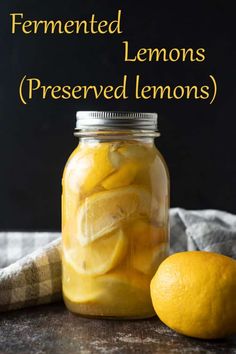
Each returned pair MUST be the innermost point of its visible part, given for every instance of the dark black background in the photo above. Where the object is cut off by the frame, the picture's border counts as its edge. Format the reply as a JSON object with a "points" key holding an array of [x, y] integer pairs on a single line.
{"points": [[198, 139]]}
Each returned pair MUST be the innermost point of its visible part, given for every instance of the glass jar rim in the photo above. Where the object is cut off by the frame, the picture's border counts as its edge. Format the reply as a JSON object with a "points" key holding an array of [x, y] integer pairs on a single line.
{"points": [[116, 134]]}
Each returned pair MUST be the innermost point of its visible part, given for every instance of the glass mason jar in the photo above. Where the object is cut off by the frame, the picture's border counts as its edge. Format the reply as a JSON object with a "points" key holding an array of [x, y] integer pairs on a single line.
{"points": [[114, 215]]}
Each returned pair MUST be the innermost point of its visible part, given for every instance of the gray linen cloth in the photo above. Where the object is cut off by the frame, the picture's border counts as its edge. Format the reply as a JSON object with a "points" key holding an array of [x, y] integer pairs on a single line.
{"points": [[30, 263]]}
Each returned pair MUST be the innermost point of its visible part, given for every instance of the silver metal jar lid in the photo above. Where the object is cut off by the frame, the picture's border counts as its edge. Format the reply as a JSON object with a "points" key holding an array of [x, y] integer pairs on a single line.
{"points": [[116, 120]]}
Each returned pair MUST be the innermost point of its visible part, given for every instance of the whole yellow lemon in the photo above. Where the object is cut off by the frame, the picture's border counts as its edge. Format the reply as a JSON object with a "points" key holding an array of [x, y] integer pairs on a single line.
{"points": [[194, 293]]}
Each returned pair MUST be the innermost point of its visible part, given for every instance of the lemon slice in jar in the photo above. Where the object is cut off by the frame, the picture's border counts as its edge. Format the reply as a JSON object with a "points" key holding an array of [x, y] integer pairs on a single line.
{"points": [[149, 260], [134, 158], [126, 293], [100, 256], [120, 292], [148, 246], [91, 166], [103, 212], [137, 152], [123, 177], [78, 288]]}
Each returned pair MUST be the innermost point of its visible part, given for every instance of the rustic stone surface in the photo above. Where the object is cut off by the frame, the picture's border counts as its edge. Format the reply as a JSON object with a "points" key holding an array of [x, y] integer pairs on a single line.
{"points": [[52, 329]]}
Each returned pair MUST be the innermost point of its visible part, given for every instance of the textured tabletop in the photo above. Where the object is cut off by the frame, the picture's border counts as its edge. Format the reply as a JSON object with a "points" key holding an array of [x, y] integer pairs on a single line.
{"points": [[52, 329]]}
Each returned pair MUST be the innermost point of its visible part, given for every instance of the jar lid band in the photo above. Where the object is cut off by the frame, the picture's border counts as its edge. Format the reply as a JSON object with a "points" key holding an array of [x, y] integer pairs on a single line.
{"points": [[105, 120]]}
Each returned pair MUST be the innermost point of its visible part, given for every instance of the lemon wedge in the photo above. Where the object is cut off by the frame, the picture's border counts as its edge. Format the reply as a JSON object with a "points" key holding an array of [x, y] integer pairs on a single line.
{"points": [[138, 152], [78, 288], [100, 256], [147, 261], [134, 159], [86, 170], [123, 177], [126, 294], [103, 212], [148, 246], [141, 232], [119, 293]]}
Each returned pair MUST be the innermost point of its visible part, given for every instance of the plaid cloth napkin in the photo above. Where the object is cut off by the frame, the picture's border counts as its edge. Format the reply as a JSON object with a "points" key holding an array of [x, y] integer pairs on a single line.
{"points": [[30, 263], [34, 278]]}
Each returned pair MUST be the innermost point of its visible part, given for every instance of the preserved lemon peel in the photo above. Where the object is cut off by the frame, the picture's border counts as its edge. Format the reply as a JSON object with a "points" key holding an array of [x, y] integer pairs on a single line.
{"points": [[88, 169], [138, 152], [142, 232], [103, 212], [100, 256], [126, 292], [78, 288], [134, 158], [118, 292], [123, 177], [148, 260], [148, 245]]}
